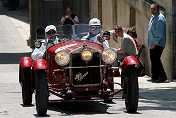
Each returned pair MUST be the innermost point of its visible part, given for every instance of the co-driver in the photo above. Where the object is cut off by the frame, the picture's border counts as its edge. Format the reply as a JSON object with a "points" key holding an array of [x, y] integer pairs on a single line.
{"points": [[95, 33]]}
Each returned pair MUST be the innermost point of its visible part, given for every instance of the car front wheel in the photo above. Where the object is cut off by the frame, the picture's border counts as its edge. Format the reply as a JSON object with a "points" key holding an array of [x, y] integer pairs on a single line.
{"points": [[41, 95], [132, 90], [26, 86]]}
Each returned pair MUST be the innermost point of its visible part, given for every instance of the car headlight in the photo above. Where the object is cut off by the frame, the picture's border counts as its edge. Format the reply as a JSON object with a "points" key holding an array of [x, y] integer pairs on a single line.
{"points": [[86, 55], [109, 55], [62, 58]]}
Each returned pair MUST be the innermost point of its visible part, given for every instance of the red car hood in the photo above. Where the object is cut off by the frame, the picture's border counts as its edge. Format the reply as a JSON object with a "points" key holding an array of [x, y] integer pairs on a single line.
{"points": [[71, 46]]}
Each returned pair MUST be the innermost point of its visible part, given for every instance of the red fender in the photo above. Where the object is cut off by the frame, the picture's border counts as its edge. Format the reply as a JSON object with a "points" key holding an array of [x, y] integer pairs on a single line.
{"points": [[40, 64], [26, 62], [130, 60]]}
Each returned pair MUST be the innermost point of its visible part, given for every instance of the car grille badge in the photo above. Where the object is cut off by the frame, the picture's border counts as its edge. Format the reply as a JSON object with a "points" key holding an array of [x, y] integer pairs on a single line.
{"points": [[79, 77]]}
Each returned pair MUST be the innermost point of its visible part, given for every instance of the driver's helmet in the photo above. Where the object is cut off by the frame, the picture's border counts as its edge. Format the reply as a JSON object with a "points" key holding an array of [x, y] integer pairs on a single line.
{"points": [[94, 26], [94, 22], [50, 31]]}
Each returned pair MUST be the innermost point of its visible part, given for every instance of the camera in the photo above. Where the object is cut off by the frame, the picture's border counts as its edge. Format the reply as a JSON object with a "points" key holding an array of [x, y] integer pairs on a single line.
{"points": [[67, 16]]}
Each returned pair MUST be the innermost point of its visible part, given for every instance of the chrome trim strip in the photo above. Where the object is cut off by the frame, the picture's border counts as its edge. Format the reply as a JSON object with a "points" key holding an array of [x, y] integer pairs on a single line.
{"points": [[114, 67], [84, 67], [88, 85], [80, 67]]}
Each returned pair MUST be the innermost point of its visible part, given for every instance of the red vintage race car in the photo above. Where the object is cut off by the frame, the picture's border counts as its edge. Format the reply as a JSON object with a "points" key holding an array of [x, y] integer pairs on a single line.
{"points": [[76, 69]]}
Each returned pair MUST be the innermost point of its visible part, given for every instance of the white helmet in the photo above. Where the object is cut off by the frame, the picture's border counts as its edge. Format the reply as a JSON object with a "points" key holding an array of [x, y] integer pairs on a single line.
{"points": [[94, 21], [50, 27]]}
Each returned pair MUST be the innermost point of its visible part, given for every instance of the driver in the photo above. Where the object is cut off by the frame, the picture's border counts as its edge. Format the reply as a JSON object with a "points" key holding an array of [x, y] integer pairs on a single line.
{"points": [[50, 32], [95, 33]]}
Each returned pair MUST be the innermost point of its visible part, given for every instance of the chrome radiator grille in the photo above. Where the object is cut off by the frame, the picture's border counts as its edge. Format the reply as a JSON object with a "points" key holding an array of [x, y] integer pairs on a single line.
{"points": [[85, 76]]}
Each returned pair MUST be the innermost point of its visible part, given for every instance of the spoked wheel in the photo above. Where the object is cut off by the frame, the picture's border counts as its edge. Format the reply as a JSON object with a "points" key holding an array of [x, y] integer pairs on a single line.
{"points": [[25, 79], [132, 90], [41, 95]]}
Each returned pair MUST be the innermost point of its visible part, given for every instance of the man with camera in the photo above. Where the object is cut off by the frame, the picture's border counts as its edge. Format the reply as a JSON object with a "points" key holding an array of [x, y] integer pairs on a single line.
{"points": [[70, 18]]}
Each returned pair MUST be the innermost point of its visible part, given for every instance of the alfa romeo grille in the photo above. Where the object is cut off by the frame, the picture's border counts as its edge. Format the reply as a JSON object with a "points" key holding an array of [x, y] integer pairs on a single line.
{"points": [[83, 76]]}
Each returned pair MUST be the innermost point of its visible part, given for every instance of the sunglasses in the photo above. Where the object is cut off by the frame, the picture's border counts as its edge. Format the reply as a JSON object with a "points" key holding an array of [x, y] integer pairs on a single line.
{"points": [[94, 28], [51, 32]]}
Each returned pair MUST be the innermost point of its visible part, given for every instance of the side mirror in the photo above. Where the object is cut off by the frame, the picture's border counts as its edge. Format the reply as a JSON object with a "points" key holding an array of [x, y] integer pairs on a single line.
{"points": [[37, 44], [106, 35]]}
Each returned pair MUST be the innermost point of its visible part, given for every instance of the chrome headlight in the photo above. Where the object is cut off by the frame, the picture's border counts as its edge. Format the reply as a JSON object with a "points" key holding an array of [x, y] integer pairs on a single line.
{"points": [[62, 58], [109, 55], [86, 55]]}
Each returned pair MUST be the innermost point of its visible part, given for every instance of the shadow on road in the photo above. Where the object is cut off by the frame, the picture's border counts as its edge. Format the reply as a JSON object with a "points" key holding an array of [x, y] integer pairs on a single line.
{"points": [[20, 14], [12, 58], [163, 98], [79, 107], [27, 105]]}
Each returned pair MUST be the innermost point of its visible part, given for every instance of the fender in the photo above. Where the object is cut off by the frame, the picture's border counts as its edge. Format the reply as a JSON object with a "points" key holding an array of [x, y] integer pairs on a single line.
{"points": [[40, 64], [26, 62], [130, 60]]}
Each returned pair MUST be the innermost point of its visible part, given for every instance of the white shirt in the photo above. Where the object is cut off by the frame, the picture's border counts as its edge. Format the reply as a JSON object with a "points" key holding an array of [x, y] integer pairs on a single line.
{"points": [[94, 39], [75, 19], [39, 52]]}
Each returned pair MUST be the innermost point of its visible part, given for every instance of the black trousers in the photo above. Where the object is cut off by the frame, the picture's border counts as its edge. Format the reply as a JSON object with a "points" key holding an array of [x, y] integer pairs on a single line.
{"points": [[157, 66]]}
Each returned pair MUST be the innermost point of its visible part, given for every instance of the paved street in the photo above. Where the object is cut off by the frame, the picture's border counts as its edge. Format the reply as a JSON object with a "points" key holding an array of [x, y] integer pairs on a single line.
{"points": [[156, 100]]}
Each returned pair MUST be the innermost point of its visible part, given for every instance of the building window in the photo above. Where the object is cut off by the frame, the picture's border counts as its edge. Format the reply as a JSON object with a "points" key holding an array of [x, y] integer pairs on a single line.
{"points": [[132, 16]]}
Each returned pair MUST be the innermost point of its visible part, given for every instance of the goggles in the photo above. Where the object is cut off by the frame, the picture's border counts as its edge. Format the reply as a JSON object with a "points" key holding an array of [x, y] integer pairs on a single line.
{"points": [[50, 32], [117, 31], [95, 28]]}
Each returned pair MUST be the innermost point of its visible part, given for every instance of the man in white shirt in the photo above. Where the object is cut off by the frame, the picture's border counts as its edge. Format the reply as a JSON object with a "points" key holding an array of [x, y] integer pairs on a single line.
{"points": [[70, 18], [50, 32]]}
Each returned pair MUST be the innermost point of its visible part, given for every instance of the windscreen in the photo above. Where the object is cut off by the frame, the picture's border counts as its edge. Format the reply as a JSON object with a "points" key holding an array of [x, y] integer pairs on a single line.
{"points": [[65, 32], [80, 31], [76, 32]]}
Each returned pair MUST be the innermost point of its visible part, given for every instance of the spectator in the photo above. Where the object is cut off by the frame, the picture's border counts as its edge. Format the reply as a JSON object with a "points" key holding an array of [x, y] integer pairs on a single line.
{"points": [[128, 46], [133, 34], [69, 18], [156, 43]]}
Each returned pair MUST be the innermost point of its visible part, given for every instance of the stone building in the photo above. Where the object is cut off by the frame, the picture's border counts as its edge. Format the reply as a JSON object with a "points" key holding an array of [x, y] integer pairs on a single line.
{"points": [[129, 13]]}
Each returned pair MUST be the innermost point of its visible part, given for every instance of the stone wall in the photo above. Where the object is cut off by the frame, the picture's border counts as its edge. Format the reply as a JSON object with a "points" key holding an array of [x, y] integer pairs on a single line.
{"points": [[119, 12]]}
